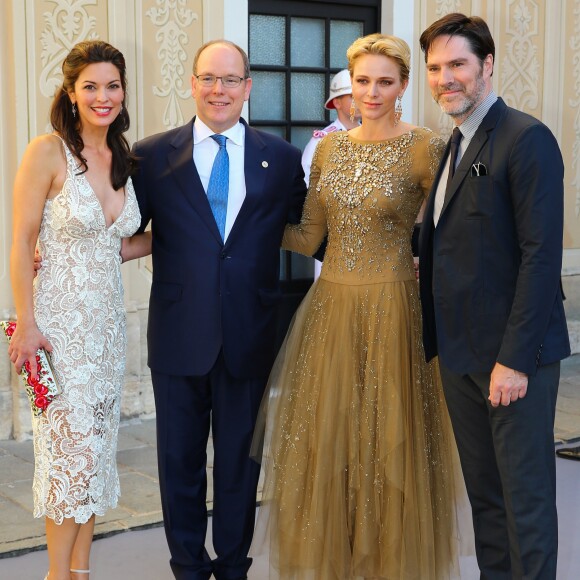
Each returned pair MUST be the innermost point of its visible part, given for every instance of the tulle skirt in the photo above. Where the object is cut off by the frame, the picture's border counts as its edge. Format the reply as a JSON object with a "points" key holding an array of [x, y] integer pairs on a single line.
{"points": [[361, 473]]}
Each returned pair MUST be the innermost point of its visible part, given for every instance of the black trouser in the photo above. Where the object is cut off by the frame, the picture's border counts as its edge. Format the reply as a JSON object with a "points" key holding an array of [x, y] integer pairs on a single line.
{"points": [[508, 462], [184, 406]]}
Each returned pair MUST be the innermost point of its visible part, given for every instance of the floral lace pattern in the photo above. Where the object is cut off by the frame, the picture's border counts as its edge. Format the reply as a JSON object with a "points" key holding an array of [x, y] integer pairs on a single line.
{"points": [[78, 305]]}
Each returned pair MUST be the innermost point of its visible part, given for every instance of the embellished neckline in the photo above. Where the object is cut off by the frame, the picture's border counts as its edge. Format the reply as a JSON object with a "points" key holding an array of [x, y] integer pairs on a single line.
{"points": [[405, 135]]}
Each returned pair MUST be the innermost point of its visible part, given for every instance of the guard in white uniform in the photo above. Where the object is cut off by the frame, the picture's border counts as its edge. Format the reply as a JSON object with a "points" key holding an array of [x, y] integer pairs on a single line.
{"points": [[340, 99], [308, 153]]}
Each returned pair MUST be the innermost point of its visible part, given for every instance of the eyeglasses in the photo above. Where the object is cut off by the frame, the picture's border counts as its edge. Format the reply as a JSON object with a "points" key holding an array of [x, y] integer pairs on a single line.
{"points": [[229, 82]]}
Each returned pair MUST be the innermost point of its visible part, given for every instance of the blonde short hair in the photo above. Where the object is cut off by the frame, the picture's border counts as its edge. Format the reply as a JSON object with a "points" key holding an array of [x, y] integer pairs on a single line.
{"points": [[390, 46]]}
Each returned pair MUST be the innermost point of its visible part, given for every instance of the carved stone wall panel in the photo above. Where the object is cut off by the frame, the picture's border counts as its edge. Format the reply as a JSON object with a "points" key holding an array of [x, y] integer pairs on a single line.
{"points": [[164, 37], [433, 116], [169, 33], [570, 137], [520, 67], [8, 102], [53, 28]]}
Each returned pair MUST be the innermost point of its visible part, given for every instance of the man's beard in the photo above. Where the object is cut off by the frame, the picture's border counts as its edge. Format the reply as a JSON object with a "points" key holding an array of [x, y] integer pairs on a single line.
{"points": [[468, 103]]}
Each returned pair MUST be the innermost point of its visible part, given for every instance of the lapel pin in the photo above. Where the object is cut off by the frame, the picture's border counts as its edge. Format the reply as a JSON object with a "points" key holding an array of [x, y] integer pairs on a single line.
{"points": [[264, 164]]}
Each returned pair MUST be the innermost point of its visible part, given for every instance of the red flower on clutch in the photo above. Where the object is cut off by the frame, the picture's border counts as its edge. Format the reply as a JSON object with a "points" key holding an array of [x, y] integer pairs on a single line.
{"points": [[42, 390], [41, 402]]}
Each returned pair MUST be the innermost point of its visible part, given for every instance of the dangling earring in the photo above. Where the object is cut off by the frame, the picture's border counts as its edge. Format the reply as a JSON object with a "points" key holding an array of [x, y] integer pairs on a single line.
{"points": [[74, 109], [352, 111], [398, 110]]}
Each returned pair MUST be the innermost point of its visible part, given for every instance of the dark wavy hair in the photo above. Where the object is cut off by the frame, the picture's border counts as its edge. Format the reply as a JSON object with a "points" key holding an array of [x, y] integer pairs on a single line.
{"points": [[124, 163], [473, 28]]}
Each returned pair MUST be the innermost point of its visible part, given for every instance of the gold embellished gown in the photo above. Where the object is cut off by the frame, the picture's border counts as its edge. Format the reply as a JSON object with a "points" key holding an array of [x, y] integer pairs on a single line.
{"points": [[359, 475]]}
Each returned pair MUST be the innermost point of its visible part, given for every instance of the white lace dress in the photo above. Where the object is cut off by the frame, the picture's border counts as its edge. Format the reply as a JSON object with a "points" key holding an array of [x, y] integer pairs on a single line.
{"points": [[78, 305]]}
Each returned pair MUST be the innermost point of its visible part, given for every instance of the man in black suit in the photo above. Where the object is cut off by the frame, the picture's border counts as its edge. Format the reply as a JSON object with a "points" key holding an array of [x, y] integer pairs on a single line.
{"points": [[216, 237], [490, 261]]}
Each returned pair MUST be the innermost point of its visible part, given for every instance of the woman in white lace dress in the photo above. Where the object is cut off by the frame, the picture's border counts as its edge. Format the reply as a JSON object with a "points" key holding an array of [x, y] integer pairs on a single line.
{"points": [[73, 195]]}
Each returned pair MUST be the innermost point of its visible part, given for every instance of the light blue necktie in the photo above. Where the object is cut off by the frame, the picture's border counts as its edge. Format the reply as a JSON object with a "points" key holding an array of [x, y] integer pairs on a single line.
{"points": [[219, 183]]}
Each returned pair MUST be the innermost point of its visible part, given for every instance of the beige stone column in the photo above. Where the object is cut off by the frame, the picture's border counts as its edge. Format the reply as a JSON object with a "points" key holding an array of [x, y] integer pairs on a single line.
{"points": [[8, 156], [8, 153]]}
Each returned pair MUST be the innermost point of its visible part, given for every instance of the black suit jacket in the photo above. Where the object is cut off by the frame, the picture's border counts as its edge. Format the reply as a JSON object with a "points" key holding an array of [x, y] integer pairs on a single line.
{"points": [[207, 295], [490, 270]]}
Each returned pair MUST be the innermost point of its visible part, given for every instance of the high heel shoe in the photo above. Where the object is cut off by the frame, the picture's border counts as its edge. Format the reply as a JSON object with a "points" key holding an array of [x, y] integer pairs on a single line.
{"points": [[74, 571]]}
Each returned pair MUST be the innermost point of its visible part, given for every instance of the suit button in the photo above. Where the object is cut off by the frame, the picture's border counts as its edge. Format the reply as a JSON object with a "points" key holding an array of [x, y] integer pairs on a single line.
{"points": [[223, 256]]}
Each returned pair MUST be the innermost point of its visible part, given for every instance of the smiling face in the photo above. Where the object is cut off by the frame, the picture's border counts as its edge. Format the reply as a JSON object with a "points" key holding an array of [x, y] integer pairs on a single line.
{"points": [[98, 94], [458, 80], [376, 84], [220, 107]]}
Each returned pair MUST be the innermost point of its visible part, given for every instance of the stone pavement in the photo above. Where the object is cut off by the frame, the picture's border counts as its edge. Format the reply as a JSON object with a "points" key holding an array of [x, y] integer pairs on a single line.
{"points": [[567, 426], [139, 505]]}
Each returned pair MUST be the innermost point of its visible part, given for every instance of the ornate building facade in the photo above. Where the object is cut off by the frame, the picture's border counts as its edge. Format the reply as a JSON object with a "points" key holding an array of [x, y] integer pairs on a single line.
{"points": [[537, 70]]}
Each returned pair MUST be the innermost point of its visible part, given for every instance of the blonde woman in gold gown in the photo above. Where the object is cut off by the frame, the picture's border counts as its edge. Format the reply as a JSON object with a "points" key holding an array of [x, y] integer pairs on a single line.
{"points": [[359, 476]]}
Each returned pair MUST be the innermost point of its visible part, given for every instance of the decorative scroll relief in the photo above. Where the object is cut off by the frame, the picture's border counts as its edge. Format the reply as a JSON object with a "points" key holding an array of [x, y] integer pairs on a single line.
{"points": [[67, 24], [447, 6], [575, 103], [445, 123], [520, 66], [172, 17]]}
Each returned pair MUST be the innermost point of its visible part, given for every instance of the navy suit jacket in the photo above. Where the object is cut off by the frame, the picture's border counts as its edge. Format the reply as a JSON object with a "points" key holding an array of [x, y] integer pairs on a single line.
{"points": [[207, 295], [490, 271]]}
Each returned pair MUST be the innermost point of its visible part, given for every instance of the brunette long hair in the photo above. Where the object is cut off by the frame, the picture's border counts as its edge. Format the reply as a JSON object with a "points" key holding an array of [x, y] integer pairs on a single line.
{"points": [[68, 126]]}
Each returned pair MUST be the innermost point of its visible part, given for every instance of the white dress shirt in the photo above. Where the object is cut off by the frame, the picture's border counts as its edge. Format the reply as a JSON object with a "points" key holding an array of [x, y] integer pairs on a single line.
{"points": [[468, 129], [204, 151]]}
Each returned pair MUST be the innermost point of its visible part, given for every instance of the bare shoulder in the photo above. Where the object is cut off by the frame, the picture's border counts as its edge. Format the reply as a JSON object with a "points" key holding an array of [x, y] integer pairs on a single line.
{"points": [[46, 150], [43, 166]]}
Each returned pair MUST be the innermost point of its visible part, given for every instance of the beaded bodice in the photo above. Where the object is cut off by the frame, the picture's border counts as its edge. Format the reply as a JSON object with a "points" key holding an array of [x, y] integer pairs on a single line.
{"points": [[366, 196]]}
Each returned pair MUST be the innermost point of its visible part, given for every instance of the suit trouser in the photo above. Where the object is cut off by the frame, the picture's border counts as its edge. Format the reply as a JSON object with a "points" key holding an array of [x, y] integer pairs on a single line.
{"points": [[508, 462], [185, 408]]}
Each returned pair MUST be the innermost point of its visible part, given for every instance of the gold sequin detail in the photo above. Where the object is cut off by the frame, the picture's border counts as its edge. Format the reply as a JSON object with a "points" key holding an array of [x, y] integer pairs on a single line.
{"points": [[366, 195], [359, 477]]}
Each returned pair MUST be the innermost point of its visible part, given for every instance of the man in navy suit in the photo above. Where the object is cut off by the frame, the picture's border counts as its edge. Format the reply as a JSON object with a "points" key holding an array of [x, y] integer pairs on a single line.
{"points": [[212, 312], [490, 261]]}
